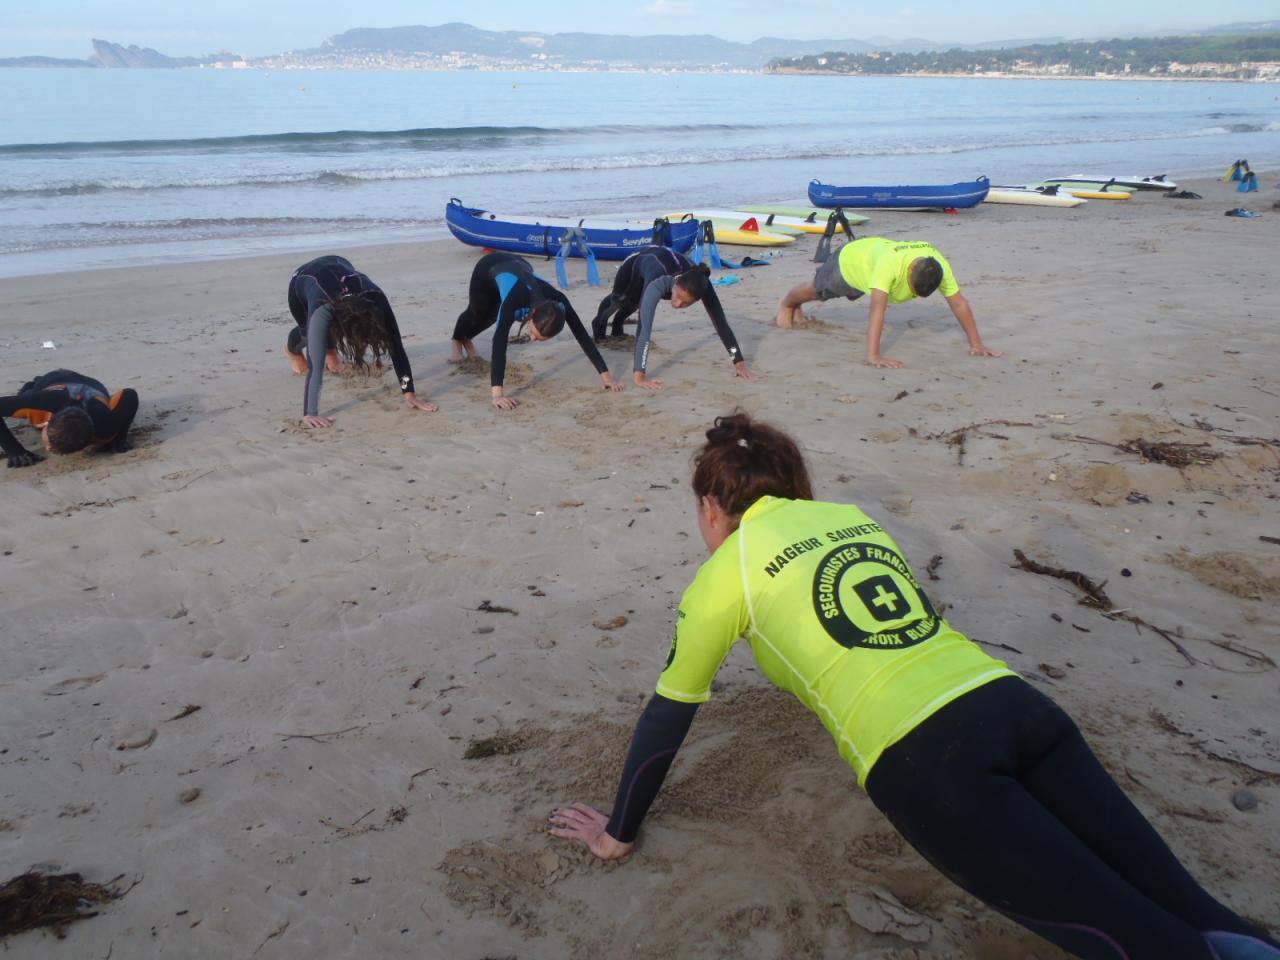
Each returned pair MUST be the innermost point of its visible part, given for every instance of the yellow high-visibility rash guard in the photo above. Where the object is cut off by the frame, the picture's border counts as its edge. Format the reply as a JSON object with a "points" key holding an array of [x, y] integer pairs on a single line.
{"points": [[875, 263], [835, 616]]}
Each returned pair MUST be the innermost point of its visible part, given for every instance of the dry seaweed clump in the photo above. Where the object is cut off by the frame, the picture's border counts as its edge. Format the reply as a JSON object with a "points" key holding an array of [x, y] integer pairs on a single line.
{"points": [[37, 899]]}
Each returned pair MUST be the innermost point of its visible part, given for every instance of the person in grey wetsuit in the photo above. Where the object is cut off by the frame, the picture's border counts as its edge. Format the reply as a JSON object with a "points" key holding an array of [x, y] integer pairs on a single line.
{"points": [[658, 273], [339, 310]]}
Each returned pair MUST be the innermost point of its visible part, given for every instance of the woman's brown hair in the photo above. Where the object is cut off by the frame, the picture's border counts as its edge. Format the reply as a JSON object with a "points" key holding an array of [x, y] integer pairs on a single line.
{"points": [[359, 329], [744, 460]]}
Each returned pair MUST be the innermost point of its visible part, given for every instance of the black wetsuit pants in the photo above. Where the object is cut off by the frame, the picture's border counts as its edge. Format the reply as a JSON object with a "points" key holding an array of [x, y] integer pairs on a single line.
{"points": [[1000, 792], [483, 298]]}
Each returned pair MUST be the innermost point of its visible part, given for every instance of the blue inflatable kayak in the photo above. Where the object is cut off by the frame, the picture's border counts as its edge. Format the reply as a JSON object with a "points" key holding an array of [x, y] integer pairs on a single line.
{"points": [[959, 195], [542, 236]]}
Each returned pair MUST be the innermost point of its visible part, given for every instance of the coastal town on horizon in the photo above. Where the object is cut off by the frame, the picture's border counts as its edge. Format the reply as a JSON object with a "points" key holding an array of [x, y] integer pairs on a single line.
{"points": [[1238, 52]]}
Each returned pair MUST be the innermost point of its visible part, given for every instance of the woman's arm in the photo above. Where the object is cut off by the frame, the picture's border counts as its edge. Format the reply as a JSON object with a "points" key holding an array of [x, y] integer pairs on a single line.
{"points": [[399, 359], [584, 338], [514, 299], [653, 293], [716, 312], [658, 736], [317, 346]]}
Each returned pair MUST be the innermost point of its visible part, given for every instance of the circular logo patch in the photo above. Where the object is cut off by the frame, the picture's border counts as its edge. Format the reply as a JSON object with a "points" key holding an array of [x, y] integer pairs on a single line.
{"points": [[864, 595]]}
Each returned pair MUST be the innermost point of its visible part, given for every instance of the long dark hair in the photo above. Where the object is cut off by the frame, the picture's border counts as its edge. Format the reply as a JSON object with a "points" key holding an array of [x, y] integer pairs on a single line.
{"points": [[359, 332], [744, 460]]}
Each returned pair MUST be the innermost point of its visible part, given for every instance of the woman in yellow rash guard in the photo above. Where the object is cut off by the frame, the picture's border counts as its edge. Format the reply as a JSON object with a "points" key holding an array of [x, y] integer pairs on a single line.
{"points": [[984, 775]]}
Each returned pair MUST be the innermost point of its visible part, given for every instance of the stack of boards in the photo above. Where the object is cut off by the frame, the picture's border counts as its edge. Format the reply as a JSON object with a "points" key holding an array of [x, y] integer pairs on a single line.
{"points": [[766, 225], [1073, 190]]}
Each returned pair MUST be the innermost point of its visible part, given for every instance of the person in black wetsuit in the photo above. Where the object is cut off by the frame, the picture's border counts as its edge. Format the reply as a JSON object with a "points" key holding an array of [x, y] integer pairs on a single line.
{"points": [[339, 310], [659, 273], [505, 290], [72, 412]]}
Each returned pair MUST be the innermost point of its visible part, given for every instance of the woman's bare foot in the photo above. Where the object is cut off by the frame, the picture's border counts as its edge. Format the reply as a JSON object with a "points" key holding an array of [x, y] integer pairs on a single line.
{"points": [[460, 350], [296, 361], [331, 362]]}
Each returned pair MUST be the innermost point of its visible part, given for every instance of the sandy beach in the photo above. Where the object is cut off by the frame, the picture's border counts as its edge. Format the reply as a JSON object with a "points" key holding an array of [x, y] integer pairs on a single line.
{"points": [[246, 670]]}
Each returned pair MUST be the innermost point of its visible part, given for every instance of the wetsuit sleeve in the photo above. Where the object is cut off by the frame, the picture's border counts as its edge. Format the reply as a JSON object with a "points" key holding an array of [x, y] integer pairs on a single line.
{"points": [[654, 291], [580, 332], [659, 734], [399, 359], [515, 296], [113, 430], [716, 312], [317, 347], [46, 401]]}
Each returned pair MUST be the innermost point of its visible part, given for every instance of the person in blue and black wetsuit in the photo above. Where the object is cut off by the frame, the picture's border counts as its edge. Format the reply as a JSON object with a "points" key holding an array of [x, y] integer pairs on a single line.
{"points": [[505, 290], [72, 412], [658, 273], [339, 310]]}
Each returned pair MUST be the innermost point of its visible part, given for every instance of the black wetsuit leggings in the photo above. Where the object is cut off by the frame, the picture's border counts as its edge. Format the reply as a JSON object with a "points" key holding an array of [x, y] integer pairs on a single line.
{"points": [[1000, 792]]}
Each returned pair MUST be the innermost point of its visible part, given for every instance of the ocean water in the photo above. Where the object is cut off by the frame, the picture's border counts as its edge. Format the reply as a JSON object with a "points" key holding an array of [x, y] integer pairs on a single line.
{"points": [[103, 168]]}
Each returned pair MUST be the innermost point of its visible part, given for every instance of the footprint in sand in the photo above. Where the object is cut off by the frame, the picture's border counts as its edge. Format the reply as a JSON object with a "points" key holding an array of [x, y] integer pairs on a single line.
{"points": [[73, 684]]}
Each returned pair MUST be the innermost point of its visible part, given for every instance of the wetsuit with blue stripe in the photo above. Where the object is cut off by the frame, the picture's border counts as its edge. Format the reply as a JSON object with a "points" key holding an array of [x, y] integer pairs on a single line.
{"points": [[314, 288], [645, 278], [503, 290]]}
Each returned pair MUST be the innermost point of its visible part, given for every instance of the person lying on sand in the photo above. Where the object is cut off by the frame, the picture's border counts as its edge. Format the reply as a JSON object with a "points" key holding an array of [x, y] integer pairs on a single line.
{"points": [[979, 771], [505, 290], [658, 273], [341, 311], [893, 271], [72, 412]]}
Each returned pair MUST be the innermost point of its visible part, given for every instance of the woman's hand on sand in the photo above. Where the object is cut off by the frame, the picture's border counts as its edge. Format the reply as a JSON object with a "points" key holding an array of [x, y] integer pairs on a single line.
{"points": [[607, 381], [740, 369], [581, 822], [312, 420], [424, 405], [982, 350], [644, 382], [505, 403], [884, 363]]}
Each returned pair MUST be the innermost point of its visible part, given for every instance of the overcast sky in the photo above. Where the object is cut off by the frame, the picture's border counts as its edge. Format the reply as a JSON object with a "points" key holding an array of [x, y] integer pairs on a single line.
{"points": [[64, 28]]}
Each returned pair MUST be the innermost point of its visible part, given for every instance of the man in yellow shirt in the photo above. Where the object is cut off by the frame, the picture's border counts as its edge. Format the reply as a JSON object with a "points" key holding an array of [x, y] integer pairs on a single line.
{"points": [[892, 271]]}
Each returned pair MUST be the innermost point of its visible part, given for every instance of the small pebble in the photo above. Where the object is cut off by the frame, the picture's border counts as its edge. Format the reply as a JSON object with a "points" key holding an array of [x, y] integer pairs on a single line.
{"points": [[1244, 799], [1126, 572], [193, 794], [484, 629]]}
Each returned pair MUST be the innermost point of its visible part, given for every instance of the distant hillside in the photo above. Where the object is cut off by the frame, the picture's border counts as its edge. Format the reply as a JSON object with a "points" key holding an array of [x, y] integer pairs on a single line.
{"points": [[1240, 57], [658, 50], [43, 62], [113, 55], [1240, 29]]}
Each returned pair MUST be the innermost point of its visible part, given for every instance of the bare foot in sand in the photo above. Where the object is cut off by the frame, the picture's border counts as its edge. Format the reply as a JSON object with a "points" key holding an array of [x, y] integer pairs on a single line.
{"points": [[790, 318], [461, 350], [296, 361], [332, 363]]}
